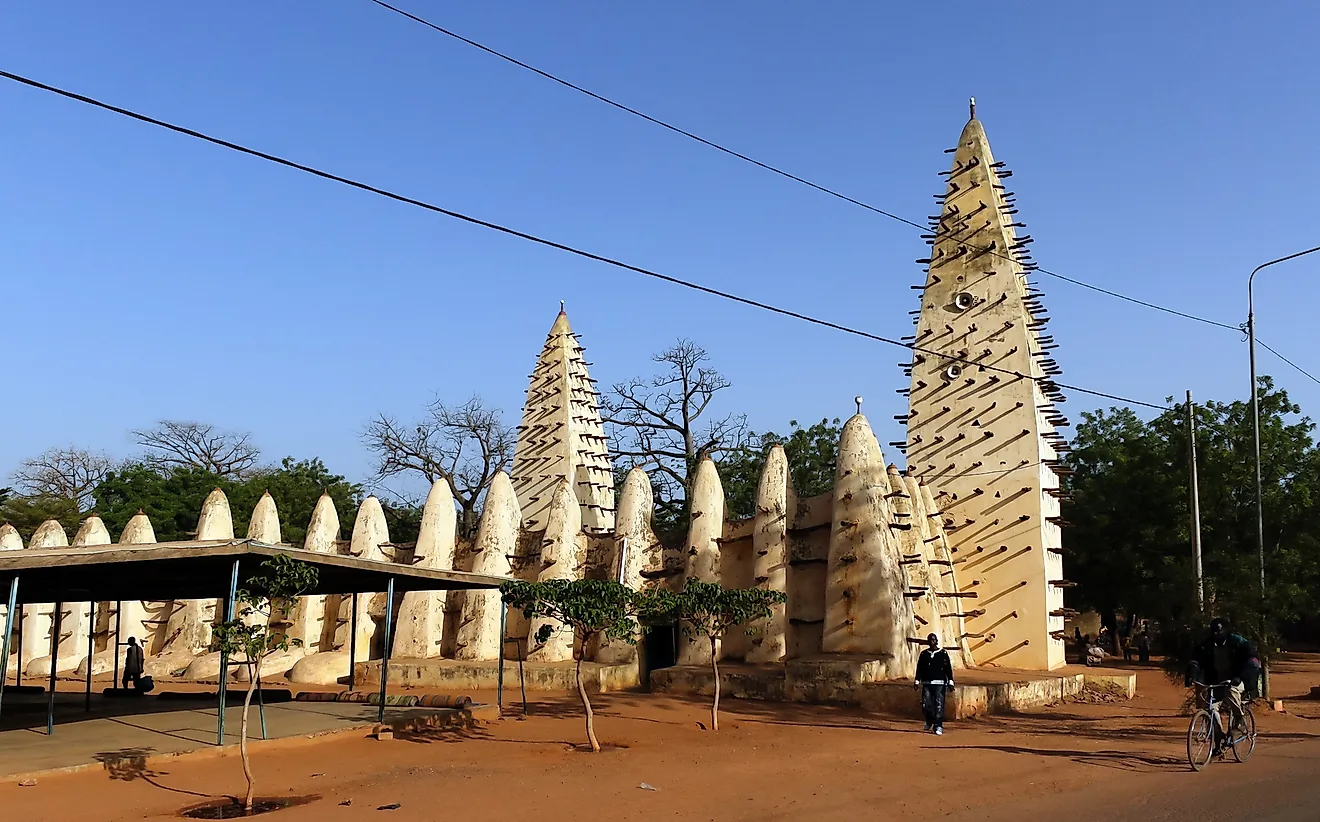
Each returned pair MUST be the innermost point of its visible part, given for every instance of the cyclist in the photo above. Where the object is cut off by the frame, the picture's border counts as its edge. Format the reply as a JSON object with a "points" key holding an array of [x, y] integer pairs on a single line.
{"points": [[1225, 657]]}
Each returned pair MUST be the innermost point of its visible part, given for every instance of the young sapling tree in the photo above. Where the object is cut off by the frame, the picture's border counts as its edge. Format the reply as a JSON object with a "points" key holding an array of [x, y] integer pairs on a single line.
{"points": [[251, 636], [707, 610], [590, 608]]}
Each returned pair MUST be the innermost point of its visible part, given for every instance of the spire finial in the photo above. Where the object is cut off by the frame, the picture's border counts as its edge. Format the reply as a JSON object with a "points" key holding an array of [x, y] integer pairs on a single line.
{"points": [[971, 104], [561, 307], [858, 400]]}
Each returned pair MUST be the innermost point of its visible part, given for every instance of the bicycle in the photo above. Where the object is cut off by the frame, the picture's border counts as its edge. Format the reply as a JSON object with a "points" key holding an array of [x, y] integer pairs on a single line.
{"points": [[1206, 736]]}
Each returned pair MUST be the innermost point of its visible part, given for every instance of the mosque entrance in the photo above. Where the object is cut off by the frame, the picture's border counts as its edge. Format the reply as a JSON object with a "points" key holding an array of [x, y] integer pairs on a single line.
{"points": [[659, 649]]}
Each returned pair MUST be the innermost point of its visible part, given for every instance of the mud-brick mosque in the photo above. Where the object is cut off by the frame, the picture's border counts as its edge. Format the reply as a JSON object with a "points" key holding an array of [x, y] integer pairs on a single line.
{"points": [[965, 543]]}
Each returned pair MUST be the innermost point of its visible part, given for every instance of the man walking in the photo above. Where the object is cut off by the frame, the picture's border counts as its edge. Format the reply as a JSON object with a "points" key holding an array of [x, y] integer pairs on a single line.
{"points": [[134, 663], [935, 679]]}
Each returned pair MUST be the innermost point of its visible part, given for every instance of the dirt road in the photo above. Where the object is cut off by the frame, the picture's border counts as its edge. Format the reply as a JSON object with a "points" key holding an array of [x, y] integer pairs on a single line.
{"points": [[1085, 762], [1279, 784]]}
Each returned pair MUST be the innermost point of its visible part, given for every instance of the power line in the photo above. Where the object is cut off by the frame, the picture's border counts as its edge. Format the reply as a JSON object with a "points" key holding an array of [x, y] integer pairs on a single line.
{"points": [[656, 121], [1301, 370], [817, 186], [773, 169], [1165, 309], [546, 242]]}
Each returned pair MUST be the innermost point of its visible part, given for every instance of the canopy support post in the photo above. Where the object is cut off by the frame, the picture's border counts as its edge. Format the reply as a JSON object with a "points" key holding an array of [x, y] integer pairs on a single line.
{"points": [[119, 610], [57, 618], [385, 653], [91, 651], [352, 642], [224, 656], [499, 674], [9, 632]]}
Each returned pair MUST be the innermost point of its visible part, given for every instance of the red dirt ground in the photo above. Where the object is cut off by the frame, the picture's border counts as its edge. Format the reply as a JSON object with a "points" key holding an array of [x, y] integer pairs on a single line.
{"points": [[768, 762]]}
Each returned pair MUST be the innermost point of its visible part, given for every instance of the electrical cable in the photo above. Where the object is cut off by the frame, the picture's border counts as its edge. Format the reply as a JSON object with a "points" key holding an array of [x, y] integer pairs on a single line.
{"points": [[546, 242], [817, 186], [1303, 371], [774, 169]]}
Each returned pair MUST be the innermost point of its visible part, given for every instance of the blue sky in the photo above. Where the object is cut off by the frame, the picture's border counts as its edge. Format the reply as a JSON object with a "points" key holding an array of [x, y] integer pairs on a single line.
{"points": [[1160, 150]]}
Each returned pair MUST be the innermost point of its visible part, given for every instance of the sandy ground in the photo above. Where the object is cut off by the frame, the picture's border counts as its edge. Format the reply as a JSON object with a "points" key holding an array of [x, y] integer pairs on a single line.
{"points": [[1097, 762]]}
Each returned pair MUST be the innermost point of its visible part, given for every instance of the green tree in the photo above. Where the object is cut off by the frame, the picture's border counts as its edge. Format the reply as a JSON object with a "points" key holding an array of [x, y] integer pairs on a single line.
{"points": [[1127, 533], [174, 499], [250, 636], [26, 513], [812, 456], [1129, 540], [590, 608], [403, 519], [296, 485], [707, 610]]}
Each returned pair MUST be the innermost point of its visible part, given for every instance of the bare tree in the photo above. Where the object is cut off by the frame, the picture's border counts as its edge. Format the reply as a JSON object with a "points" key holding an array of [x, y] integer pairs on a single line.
{"points": [[66, 473], [660, 423], [183, 444], [465, 445]]}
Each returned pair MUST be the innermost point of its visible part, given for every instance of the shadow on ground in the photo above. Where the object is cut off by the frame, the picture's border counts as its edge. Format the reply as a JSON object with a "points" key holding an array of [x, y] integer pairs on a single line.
{"points": [[1120, 760], [130, 765]]}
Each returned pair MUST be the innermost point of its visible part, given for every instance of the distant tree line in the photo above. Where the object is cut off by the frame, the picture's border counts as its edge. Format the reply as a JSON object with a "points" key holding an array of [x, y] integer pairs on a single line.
{"points": [[1127, 531], [180, 464], [1128, 534]]}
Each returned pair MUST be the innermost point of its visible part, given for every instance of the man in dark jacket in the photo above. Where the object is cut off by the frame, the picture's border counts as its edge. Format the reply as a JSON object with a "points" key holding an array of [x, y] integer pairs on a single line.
{"points": [[1225, 657], [934, 678], [134, 662]]}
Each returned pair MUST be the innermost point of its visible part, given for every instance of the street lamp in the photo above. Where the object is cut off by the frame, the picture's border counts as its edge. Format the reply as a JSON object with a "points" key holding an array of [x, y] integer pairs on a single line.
{"points": [[1255, 417]]}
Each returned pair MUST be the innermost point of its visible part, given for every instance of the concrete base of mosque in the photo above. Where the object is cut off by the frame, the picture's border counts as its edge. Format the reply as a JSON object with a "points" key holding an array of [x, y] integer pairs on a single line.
{"points": [[457, 676], [852, 682]]}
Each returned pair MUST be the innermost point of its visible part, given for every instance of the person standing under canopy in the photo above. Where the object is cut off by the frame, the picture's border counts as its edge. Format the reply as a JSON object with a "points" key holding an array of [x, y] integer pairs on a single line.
{"points": [[134, 663]]}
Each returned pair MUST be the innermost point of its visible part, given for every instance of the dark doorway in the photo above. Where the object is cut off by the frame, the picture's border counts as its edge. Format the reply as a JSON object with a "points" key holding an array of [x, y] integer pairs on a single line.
{"points": [[659, 649]]}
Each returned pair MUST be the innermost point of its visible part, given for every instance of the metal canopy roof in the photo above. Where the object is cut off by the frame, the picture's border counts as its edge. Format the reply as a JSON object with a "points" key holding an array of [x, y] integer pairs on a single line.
{"points": [[200, 570]]}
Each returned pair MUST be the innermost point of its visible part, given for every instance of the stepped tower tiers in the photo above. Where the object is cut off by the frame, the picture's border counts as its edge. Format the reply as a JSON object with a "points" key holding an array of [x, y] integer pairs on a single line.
{"points": [[982, 415], [561, 437]]}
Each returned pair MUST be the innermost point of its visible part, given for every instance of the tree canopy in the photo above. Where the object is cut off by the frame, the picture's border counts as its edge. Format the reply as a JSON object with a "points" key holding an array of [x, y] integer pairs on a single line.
{"points": [[812, 452], [173, 498], [1129, 515]]}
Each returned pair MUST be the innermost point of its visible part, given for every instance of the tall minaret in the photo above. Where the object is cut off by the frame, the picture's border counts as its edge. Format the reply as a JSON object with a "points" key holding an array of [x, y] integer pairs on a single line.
{"points": [[984, 436], [561, 436]]}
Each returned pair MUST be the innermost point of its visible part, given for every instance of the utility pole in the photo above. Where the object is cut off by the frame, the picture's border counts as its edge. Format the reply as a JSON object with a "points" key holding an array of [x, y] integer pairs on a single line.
{"points": [[1196, 504], [1255, 415]]}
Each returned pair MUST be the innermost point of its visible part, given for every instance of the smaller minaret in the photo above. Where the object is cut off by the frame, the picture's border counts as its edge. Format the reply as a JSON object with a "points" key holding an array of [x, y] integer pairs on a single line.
{"points": [[561, 437]]}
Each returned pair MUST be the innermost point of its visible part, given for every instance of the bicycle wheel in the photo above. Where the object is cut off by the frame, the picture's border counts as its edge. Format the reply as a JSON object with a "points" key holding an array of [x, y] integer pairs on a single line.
{"points": [[1245, 742], [1200, 740]]}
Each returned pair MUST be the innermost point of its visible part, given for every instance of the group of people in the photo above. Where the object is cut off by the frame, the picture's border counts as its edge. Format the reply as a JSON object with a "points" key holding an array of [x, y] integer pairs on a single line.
{"points": [[1092, 651]]}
